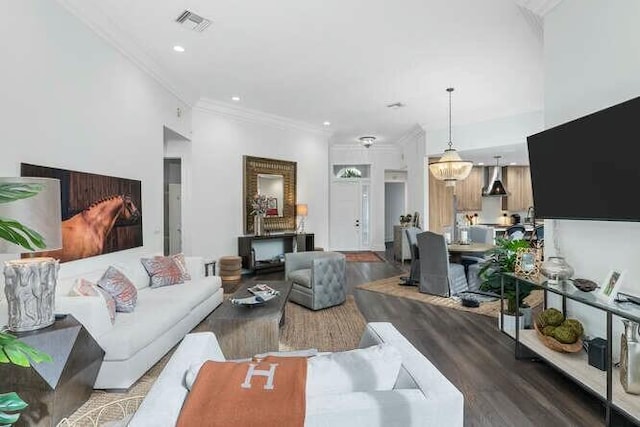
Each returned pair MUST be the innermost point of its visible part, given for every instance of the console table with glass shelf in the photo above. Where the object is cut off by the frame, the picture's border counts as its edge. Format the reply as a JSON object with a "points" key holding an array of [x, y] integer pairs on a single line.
{"points": [[601, 383]]}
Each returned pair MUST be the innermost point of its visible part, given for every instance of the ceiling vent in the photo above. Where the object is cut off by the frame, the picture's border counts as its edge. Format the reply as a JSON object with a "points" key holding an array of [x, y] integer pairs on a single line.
{"points": [[192, 21]]}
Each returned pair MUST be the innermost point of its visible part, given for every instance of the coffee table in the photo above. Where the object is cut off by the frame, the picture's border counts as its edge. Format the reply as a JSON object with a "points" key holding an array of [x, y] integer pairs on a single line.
{"points": [[246, 331]]}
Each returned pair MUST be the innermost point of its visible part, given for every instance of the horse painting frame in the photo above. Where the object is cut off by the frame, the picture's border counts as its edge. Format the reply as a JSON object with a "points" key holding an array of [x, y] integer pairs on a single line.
{"points": [[100, 214]]}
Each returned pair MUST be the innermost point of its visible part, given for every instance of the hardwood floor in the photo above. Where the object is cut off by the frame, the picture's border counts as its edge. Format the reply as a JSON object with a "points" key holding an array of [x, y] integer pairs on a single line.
{"points": [[477, 358]]}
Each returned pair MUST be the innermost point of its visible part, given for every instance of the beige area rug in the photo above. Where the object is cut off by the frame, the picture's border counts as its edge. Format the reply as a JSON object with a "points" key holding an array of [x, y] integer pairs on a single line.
{"points": [[391, 286], [333, 329]]}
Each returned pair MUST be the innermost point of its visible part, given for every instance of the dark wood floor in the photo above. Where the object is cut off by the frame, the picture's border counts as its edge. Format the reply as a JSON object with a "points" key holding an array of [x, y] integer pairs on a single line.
{"points": [[477, 358]]}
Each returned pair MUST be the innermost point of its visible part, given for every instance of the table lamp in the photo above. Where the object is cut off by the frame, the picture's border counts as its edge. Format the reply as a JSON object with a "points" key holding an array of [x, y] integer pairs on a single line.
{"points": [[302, 211], [30, 221]]}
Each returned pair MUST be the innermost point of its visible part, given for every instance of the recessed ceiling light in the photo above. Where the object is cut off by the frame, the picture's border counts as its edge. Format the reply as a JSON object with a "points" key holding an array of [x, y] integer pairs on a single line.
{"points": [[178, 48], [480, 163], [326, 124], [235, 98], [513, 163]]}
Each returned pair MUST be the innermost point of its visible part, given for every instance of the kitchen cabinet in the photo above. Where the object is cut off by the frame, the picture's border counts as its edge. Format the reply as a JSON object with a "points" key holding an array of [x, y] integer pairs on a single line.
{"points": [[517, 181], [440, 204], [469, 191]]}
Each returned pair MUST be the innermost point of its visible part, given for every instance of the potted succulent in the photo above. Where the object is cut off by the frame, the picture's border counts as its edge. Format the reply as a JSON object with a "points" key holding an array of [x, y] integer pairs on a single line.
{"points": [[12, 350], [502, 259]]}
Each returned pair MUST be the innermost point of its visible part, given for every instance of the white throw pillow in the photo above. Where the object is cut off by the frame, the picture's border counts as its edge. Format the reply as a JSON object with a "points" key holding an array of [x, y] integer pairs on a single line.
{"points": [[364, 369], [192, 372]]}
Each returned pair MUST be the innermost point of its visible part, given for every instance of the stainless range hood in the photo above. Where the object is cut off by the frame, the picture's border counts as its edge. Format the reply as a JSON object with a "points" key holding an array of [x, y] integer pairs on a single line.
{"points": [[493, 186]]}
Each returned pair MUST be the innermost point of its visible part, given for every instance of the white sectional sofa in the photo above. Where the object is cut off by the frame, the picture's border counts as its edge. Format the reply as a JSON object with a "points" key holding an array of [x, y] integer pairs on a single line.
{"points": [[422, 396], [162, 317]]}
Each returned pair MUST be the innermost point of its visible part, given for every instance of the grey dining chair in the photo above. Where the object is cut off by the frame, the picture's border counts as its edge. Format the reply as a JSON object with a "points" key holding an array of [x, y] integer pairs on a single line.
{"points": [[414, 274], [473, 262], [437, 275]]}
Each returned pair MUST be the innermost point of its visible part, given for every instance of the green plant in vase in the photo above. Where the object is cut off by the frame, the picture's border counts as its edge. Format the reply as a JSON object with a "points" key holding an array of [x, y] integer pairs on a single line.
{"points": [[16, 352], [502, 259], [12, 350]]}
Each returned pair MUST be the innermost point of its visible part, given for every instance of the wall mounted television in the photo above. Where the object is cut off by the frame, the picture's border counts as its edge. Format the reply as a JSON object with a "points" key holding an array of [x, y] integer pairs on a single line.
{"points": [[587, 168]]}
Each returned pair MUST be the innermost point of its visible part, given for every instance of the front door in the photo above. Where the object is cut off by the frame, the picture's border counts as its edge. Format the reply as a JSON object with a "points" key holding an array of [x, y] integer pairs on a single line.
{"points": [[346, 218]]}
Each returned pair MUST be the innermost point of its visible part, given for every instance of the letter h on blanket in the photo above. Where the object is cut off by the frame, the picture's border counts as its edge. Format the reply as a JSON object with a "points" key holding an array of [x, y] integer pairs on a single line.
{"points": [[252, 371]]}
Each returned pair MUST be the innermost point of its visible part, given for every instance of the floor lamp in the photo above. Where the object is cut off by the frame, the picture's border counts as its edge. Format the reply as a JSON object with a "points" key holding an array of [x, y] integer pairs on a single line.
{"points": [[30, 221]]}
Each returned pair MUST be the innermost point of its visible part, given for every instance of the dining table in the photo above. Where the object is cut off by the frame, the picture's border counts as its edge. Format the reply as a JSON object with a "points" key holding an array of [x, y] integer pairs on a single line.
{"points": [[457, 249]]}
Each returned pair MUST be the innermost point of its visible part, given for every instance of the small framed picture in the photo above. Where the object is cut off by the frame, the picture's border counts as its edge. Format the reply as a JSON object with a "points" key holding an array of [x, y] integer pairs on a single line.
{"points": [[611, 284], [528, 262]]}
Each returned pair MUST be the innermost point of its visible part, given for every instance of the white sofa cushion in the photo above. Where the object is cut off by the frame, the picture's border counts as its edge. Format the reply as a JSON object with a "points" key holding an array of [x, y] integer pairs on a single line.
{"points": [[135, 271], [364, 369], [157, 310], [85, 288], [64, 285], [389, 408], [195, 266]]}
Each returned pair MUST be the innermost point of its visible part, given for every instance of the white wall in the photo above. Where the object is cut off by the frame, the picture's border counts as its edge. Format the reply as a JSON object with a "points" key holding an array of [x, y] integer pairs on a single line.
{"points": [[592, 62], [70, 100], [220, 138], [380, 157], [413, 149]]}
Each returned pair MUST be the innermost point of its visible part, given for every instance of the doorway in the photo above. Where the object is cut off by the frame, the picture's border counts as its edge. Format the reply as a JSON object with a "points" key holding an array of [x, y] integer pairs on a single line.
{"points": [[350, 215], [172, 206], [394, 206]]}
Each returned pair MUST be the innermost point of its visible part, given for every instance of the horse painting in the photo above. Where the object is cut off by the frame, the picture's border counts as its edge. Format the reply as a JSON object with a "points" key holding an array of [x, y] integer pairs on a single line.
{"points": [[84, 234]]}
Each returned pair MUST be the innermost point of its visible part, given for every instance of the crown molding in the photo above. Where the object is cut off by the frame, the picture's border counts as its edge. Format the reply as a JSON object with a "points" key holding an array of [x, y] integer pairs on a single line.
{"points": [[103, 26], [413, 133], [233, 111], [539, 7]]}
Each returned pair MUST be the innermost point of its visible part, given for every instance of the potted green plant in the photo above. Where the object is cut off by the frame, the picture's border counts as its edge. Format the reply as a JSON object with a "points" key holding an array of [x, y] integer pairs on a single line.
{"points": [[12, 350], [16, 352], [502, 259]]}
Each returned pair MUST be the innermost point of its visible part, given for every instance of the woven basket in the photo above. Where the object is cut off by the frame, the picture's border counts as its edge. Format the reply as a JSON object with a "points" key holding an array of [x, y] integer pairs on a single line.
{"points": [[556, 345]]}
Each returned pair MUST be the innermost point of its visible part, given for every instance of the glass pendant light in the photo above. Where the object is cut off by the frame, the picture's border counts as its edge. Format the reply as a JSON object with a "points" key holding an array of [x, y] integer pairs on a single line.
{"points": [[450, 168]]}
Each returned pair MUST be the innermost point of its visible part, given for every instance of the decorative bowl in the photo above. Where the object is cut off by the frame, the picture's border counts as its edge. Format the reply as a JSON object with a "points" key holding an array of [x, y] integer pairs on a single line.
{"points": [[585, 285], [556, 345]]}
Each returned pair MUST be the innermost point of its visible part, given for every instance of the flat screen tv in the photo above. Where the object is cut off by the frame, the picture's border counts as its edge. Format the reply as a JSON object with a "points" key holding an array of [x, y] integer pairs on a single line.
{"points": [[587, 168]]}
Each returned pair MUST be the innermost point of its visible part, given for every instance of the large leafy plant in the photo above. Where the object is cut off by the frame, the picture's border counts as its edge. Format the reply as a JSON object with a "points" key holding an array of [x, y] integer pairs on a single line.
{"points": [[12, 350], [11, 230], [502, 259]]}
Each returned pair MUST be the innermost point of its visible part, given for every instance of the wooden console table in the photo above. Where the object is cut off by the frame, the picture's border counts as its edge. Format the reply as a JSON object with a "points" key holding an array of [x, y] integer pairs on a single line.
{"points": [[303, 243]]}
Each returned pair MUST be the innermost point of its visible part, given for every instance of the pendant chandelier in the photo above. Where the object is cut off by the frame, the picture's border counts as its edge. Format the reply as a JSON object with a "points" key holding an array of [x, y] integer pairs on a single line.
{"points": [[450, 168]]}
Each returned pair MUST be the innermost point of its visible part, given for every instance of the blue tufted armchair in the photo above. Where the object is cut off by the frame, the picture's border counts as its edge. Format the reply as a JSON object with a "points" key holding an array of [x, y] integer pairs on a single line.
{"points": [[319, 278]]}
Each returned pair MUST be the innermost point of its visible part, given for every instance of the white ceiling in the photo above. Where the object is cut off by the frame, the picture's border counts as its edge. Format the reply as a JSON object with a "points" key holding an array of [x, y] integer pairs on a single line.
{"points": [[340, 60]]}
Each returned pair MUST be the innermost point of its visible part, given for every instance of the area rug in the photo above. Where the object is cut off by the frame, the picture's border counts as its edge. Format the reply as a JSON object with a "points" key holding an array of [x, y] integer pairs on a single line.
{"points": [[333, 329], [366, 256], [390, 286]]}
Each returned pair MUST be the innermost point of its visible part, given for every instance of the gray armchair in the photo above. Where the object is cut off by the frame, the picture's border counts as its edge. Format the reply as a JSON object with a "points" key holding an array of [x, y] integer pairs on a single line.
{"points": [[319, 278]]}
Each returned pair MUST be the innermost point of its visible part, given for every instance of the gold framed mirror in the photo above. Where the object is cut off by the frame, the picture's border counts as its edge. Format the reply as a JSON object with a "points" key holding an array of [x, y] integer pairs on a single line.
{"points": [[277, 180]]}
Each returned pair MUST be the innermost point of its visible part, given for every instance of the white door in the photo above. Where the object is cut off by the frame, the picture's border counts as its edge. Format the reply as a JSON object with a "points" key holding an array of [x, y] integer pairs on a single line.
{"points": [[175, 218], [345, 218]]}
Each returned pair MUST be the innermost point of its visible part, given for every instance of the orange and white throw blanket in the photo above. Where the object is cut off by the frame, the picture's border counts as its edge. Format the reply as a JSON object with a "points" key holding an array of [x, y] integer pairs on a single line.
{"points": [[266, 393]]}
